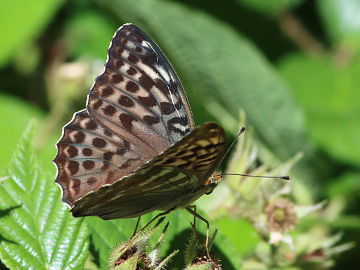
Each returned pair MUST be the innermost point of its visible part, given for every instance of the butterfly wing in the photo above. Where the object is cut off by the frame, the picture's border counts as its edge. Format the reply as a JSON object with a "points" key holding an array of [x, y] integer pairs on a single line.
{"points": [[172, 179], [136, 110], [139, 96]]}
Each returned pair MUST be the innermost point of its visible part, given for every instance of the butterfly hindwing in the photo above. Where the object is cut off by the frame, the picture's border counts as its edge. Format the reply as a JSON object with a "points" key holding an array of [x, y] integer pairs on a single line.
{"points": [[89, 156]]}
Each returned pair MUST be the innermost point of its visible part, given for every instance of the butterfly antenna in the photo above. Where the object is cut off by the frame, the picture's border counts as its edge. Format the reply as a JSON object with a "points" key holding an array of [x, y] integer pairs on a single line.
{"points": [[259, 176], [232, 144], [242, 130]]}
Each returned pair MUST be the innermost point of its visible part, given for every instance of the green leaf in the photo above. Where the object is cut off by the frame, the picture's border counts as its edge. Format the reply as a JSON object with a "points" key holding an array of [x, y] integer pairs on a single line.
{"points": [[36, 228], [327, 90], [244, 242], [217, 64], [341, 20], [21, 21], [13, 111], [272, 7]]}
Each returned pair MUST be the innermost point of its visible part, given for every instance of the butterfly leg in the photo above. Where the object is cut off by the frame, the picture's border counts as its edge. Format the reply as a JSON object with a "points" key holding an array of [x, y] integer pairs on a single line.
{"points": [[207, 228], [156, 217], [194, 224], [136, 226]]}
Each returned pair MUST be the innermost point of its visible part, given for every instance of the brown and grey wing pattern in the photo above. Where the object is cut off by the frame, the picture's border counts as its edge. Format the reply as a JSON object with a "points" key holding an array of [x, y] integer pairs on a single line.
{"points": [[165, 182], [139, 95], [136, 109], [90, 156]]}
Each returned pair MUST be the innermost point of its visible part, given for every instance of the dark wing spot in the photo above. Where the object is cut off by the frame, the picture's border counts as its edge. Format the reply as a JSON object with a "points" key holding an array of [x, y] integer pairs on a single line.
{"points": [[79, 137], [162, 87], [133, 59], [118, 63], [126, 120], [88, 165], [150, 59], [98, 142], [149, 101], [146, 82], [91, 180], [108, 155], [73, 167], [91, 125], [119, 50], [132, 87], [167, 108], [151, 120], [109, 110], [72, 151], [131, 71], [97, 104], [117, 78], [87, 152], [107, 133], [107, 91], [126, 101]]}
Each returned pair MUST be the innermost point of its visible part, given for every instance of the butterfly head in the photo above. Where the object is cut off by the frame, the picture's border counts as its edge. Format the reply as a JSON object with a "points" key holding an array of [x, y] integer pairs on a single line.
{"points": [[212, 181]]}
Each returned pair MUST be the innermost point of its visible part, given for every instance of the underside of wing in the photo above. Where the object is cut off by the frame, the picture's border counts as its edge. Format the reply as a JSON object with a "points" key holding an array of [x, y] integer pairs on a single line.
{"points": [[136, 110], [170, 180], [90, 156], [139, 96]]}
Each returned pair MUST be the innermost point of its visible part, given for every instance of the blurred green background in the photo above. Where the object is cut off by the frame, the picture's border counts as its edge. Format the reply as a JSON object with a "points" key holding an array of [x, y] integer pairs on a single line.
{"points": [[293, 66]]}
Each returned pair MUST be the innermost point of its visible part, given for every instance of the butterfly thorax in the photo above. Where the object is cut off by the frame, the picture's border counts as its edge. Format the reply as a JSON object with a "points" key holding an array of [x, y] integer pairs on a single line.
{"points": [[212, 182], [207, 189]]}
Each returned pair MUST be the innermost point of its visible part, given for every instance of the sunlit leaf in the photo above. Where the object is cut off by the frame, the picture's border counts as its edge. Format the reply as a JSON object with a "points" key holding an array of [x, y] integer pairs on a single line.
{"points": [[36, 228], [327, 90], [13, 111]]}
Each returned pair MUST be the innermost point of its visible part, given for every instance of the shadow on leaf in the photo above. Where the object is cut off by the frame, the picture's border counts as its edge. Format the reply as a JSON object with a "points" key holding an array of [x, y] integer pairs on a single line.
{"points": [[4, 213]]}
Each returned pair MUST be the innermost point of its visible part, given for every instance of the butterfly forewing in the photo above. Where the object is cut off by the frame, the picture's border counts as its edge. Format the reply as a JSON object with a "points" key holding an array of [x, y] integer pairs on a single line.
{"points": [[139, 95], [171, 179]]}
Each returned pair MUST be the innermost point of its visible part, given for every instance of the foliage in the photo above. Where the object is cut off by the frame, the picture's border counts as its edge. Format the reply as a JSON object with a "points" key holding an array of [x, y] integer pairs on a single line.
{"points": [[36, 229], [290, 65]]}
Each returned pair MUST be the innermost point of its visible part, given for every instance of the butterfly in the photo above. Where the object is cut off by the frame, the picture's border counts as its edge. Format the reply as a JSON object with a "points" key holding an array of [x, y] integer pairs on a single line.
{"points": [[135, 148]]}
